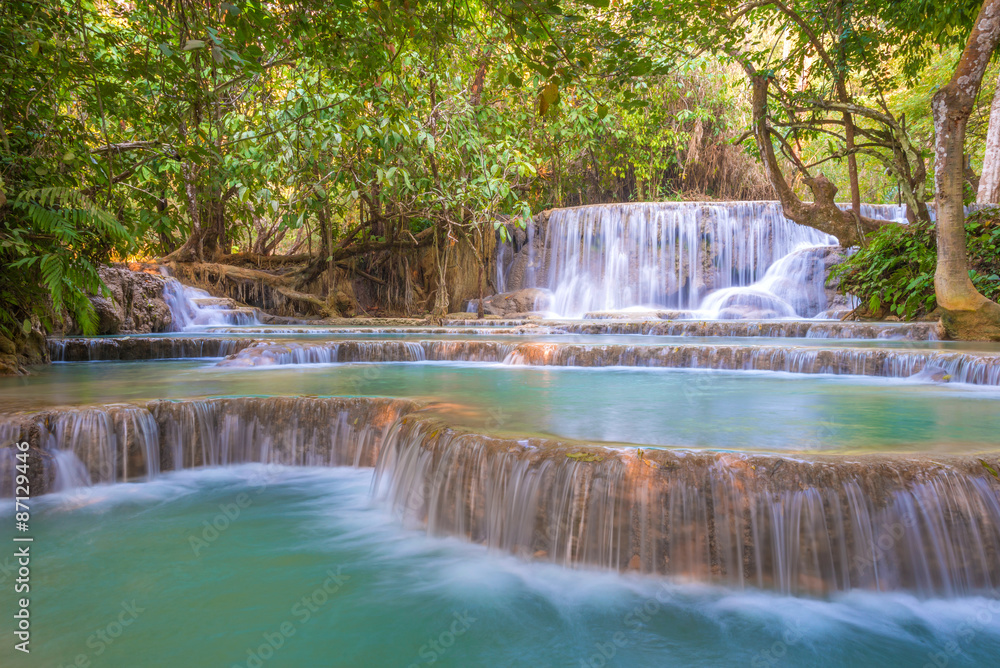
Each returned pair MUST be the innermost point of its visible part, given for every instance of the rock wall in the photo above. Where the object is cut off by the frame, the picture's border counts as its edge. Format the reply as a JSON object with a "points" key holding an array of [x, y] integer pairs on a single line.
{"points": [[21, 350], [136, 304]]}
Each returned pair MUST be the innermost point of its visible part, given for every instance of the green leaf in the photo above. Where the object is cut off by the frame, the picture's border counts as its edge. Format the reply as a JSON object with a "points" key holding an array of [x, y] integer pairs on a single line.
{"points": [[548, 96], [514, 80], [193, 44], [165, 49], [602, 111], [26, 326], [35, 47]]}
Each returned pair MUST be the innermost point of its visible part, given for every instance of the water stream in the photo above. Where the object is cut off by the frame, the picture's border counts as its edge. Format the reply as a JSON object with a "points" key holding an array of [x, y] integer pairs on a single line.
{"points": [[742, 482], [131, 552], [721, 260]]}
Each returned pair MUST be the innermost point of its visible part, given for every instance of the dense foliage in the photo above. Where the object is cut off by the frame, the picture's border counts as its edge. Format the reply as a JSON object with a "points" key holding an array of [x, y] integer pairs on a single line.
{"points": [[337, 130], [894, 274], [340, 132]]}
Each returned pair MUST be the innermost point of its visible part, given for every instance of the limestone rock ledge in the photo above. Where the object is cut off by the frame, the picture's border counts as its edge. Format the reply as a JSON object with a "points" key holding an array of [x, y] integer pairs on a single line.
{"points": [[136, 304]]}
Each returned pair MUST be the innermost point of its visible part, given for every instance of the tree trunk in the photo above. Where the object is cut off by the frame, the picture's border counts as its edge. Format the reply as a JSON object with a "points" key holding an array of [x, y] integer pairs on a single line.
{"points": [[968, 314], [989, 180], [441, 266], [823, 213], [479, 309]]}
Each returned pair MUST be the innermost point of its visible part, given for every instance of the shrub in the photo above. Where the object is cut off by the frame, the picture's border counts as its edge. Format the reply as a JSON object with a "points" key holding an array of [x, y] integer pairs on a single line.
{"points": [[894, 273]]}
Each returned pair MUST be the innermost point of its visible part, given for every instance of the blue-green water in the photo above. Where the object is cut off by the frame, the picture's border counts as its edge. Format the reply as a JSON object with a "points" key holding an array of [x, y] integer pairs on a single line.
{"points": [[312, 566], [304, 568], [731, 410], [314, 334]]}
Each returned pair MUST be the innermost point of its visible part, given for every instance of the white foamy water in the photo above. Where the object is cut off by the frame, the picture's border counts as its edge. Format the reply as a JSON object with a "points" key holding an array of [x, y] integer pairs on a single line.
{"points": [[723, 260], [402, 590], [193, 308]]}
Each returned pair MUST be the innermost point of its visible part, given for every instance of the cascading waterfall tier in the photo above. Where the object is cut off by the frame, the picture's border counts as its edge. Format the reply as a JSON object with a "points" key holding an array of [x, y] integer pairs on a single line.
{"points": [[929, 524], [141, 348], [751, 260], [82, 349], [485, 329], [819, 526], [931, 365], [266, 353], [803, 329], [120, 442], [191, 307], [663, 323]]}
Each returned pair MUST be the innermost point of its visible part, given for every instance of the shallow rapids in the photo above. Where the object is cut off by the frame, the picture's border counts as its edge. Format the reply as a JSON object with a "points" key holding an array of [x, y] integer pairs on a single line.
{"points": [[193, 596]]}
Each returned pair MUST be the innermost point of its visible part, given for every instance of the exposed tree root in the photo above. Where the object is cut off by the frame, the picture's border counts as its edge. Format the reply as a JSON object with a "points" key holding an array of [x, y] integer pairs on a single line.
{"points": [[982, 324], [264, 261], [270, 292]]}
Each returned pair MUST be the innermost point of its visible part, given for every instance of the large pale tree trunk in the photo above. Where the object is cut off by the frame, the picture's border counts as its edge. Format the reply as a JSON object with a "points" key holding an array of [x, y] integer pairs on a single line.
{"points": [[989, 182], [967, 313]]}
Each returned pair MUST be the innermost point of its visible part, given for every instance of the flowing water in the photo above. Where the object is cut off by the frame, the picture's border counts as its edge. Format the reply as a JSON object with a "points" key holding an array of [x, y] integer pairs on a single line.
{"points": [[731, 260], [640, 488], [665, 407], [193, 308], [147, 554]]}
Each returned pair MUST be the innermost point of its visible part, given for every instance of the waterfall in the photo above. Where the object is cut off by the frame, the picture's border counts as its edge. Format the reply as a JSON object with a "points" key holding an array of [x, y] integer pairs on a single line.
{"points": [[759, 521], [267, 354], [122, 442], [793, 286], [69, 471], [931, 365], [910, 331], [671, 255], [141, 348], [816, 525], [193, 308]]}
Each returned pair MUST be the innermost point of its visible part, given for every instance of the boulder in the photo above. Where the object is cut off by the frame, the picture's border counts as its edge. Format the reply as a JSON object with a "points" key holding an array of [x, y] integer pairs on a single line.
{"points": [[19, 350], [510, 304], [134, 303]]}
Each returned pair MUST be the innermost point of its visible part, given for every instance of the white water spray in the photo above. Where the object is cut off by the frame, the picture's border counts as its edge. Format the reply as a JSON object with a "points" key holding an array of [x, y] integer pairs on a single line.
{"points": [[192, 308], [684, 256]]}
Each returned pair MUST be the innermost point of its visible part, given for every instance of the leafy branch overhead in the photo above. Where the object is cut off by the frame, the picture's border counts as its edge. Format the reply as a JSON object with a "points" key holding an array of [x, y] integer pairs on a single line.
{"points": [[345, 134]]}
